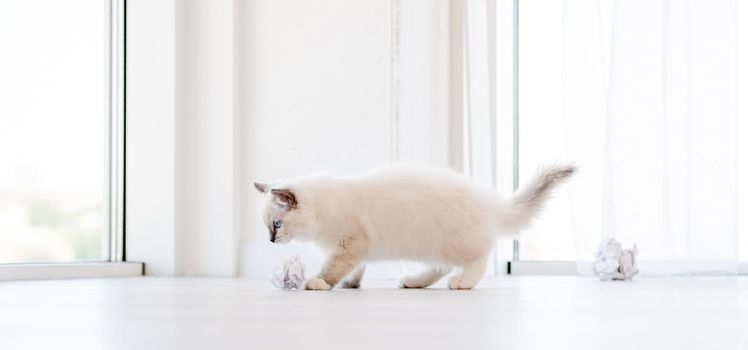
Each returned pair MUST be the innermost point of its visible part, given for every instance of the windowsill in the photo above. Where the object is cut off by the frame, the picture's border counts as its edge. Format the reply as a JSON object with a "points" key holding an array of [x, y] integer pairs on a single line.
{"points": [[572, 267], [18, 272]]}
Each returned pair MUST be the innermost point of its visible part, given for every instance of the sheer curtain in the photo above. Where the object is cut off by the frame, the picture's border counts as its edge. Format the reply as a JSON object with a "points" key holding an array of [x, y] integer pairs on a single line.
{"points": [[650, 93]]}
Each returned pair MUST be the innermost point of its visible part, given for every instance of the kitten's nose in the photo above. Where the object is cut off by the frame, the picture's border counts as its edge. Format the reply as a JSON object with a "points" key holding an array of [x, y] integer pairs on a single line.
{"points": [[272, 236]]}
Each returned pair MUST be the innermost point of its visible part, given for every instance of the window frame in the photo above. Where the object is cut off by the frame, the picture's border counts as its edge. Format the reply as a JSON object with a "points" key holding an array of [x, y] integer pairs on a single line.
{"points": [[116, 128]]}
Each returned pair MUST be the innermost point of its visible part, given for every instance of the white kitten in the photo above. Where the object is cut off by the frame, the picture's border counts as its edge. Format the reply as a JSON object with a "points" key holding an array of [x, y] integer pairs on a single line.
{"points": [[434, 216]]}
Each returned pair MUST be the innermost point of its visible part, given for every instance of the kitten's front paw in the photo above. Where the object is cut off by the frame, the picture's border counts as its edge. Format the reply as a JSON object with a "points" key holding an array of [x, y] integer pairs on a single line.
{"points": [[455, 282], [316, 284]]}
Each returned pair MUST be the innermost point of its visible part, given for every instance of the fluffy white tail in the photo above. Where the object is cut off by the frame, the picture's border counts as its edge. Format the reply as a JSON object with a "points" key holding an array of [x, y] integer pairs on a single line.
{"points": [[529, 200]]}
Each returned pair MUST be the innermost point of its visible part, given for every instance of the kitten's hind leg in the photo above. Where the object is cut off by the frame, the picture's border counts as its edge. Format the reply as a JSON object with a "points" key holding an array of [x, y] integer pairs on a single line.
{"points": [[471, 274], [425, 278], [354, 279]]}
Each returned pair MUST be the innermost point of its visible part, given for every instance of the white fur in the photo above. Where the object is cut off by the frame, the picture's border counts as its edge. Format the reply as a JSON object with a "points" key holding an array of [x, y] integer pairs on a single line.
{"points": [[434, 216]]}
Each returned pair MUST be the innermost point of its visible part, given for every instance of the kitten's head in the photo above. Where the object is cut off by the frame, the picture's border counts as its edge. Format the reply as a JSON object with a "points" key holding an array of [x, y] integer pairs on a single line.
{"points": [[281, 213]]}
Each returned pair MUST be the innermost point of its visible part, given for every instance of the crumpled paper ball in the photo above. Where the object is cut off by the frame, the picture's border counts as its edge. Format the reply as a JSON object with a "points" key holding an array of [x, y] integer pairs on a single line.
{"points": [[289, 276], [615, 263]]}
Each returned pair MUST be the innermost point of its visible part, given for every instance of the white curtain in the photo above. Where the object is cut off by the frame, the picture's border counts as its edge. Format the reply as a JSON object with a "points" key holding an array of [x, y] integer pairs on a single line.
{"points": [[651, 113]]}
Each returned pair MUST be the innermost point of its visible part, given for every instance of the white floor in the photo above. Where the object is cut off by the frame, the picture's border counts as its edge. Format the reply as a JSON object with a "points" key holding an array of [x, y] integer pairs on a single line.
{"points": [[503, 313]]}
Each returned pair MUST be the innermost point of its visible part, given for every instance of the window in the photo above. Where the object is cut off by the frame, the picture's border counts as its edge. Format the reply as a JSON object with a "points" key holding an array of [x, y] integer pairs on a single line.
{"points": [[60, 131], [558, 54]]}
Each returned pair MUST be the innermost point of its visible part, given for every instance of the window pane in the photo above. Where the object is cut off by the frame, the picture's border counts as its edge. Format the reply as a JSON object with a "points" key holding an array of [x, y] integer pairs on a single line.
{"points": [[54, 91], [541, 125]]}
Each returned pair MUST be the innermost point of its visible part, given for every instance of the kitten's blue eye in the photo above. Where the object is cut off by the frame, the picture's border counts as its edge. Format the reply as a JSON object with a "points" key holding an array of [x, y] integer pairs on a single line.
{"points": [[277, 224]]}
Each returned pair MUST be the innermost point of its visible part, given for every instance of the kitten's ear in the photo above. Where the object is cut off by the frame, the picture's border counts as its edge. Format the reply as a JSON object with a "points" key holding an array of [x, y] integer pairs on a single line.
{"points": [[263, 188], [286, 197]]}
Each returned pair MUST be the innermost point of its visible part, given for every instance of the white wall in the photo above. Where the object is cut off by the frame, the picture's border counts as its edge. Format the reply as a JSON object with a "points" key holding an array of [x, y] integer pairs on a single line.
{"points": [[180, 137], [314, 91], [150, 217], [743, 131], [259, 90], [336, 86], [313, 97], [422, 86], [205, 137]]}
